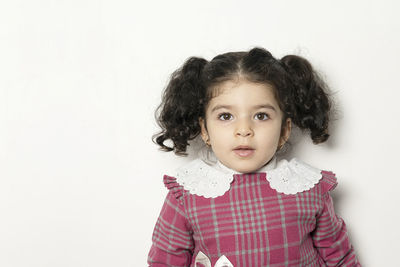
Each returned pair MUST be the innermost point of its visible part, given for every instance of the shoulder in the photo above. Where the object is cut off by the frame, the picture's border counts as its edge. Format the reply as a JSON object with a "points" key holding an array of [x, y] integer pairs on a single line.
{"points": [[328, 181]]}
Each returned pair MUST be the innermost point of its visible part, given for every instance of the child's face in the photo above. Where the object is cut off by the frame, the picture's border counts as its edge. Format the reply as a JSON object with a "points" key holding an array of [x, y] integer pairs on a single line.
{"points": [[244, 125]]}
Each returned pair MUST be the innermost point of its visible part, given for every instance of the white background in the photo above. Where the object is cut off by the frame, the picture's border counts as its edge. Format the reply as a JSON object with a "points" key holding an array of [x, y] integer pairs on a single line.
{"points": [[81, 180]]}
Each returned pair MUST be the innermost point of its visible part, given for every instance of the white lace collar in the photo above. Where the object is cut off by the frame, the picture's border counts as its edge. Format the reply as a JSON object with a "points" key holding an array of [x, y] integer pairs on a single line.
{"points": [[210, 181]]}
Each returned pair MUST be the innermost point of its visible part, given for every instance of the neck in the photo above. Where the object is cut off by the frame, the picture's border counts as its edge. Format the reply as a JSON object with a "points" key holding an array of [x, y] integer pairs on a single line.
{"points": [[268, 166]]}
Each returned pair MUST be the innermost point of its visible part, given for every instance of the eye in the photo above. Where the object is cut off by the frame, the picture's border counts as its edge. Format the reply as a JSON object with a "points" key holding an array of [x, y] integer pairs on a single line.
{"points": [[225, 116], [261, 116]]}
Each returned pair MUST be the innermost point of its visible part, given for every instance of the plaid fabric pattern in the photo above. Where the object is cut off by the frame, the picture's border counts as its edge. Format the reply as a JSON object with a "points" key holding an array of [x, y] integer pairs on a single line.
{"points": [[252, 225]]}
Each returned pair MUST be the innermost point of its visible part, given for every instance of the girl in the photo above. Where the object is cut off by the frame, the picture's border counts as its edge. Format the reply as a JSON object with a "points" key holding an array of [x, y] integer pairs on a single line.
{"points": [[238, 205]]}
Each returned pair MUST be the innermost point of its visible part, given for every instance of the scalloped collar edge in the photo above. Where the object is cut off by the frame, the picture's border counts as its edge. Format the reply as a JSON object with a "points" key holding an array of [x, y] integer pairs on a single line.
{"points": [[214, 180]]}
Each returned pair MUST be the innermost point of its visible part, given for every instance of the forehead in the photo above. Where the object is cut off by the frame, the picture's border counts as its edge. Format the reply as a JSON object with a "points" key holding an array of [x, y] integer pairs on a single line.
{"points": [[243, 92]]}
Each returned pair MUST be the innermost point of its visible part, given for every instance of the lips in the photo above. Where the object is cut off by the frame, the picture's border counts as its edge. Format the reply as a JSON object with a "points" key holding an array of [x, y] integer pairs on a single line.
{"points": [[244, 151]]}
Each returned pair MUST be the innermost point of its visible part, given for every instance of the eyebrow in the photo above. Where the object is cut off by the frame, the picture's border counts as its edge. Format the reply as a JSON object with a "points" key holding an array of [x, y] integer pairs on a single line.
{"points": [[267, 106]]}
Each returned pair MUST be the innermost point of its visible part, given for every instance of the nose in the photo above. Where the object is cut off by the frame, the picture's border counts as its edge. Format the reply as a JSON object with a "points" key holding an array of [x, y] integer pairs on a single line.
{"points": [[244, 129]]}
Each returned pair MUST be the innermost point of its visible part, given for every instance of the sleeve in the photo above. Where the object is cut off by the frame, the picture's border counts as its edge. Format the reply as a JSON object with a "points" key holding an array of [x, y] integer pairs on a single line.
{"points": [[330, 236], [172, 236]]}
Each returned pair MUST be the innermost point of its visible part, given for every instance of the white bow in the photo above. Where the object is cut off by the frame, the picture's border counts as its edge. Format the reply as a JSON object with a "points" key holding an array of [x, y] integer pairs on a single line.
{"points": [[203, 261]]}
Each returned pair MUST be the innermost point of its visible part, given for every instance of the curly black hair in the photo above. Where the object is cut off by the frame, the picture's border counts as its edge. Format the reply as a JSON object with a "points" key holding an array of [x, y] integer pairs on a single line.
{"points": [[300, 92]]}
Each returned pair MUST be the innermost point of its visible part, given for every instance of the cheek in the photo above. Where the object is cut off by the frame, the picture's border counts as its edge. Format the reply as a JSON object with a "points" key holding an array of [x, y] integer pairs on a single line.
{"points": [[270, 136], [220, 136], [273, 142]]}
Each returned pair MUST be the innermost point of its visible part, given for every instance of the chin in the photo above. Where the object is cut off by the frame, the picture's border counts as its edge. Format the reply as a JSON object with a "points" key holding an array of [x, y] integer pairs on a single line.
{"points": [[246, 170]]}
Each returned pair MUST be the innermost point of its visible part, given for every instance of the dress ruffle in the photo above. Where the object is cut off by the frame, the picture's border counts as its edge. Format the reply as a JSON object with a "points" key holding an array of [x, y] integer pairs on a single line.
{"points": [[173, 186], [328, 181]]}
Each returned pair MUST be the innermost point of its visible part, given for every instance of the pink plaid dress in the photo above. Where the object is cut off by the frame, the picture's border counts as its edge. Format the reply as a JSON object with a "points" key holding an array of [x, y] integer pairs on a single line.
{"points": [[251, 225]]}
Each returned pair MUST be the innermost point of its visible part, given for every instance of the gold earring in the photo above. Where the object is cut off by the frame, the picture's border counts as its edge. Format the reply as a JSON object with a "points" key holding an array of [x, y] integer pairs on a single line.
{"points": [[208, 144], [280, 146]]}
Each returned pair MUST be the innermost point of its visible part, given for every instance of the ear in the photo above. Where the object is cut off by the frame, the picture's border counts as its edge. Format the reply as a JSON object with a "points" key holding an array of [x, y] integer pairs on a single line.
{"points": [[286, 130], [204, 132]]}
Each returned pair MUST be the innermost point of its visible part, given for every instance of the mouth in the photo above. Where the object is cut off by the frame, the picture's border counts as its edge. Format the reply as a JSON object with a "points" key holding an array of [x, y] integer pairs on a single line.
{"points": [[244, 151]]}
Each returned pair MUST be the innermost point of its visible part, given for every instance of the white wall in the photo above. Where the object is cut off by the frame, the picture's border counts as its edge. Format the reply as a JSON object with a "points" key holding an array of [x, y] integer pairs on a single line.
{"points": [[80, 179]]}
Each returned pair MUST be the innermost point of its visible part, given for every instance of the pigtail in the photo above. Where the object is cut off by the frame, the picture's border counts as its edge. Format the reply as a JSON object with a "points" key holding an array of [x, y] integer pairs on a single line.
{"points": [[181, 107], [308, 104]]}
